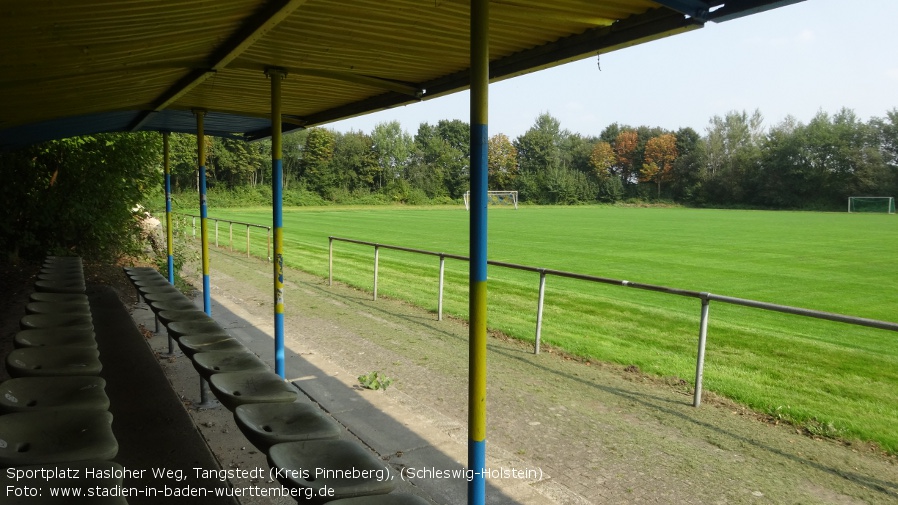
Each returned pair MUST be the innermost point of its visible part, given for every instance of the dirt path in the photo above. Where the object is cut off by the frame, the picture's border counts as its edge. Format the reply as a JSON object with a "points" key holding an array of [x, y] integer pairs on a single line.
{"points": [[598, 433]]}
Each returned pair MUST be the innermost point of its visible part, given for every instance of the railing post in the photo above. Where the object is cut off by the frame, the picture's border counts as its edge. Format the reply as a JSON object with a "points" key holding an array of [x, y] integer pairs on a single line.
{"points": [[231, 235], [269, 244], [247, 241], [194, 226], [700, 360], [330, 261], [376, 255], [216, 232], [440, 300], [539, 310]]}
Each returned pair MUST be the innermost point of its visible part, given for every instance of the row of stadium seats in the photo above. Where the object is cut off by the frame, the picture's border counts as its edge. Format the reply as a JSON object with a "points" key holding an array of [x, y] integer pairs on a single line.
{"points": [[297, 437], [54, 417]]}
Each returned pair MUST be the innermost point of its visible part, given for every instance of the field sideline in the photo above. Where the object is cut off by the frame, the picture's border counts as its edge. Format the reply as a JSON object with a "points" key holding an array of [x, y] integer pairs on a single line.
{"points": [[834, 379]]}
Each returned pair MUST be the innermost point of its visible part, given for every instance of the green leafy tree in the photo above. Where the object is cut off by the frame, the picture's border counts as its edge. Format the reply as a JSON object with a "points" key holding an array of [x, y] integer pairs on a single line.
{"points": [[78, 194], [502, 159], [317, 172], [393, 148]]}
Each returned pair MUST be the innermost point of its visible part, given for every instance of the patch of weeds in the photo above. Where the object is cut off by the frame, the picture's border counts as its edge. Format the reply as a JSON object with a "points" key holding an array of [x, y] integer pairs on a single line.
{"points": [[822, 429], [375, 380]]}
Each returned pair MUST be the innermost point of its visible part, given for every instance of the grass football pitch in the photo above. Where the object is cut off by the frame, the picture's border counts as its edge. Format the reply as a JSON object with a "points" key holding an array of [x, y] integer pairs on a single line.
{"points": [[831, 378]]}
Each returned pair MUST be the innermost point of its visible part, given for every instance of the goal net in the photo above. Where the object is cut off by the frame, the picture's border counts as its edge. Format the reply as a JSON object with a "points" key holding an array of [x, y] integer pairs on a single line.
{"points": [[884, 204], [495, 198]]}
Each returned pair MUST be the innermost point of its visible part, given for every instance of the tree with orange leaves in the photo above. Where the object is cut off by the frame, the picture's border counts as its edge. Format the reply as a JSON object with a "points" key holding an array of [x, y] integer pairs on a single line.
{"points": [[625, 148], [660, 154]]}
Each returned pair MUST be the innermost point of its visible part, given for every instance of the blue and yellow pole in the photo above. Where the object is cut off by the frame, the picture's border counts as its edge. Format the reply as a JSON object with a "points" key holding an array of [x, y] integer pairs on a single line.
{"points": [[277, 195], [166, 166], [204, 231], [478, 234]]}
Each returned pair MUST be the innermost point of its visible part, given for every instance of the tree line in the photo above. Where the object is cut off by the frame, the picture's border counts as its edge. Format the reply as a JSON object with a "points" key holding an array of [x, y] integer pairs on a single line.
{"points": [[81, 192], [736, 162]]}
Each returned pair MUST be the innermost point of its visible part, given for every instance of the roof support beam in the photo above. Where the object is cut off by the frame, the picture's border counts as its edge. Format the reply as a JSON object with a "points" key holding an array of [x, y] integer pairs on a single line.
{"points": [[251, 31], [693, 8], [734, 10], [652, 25]]}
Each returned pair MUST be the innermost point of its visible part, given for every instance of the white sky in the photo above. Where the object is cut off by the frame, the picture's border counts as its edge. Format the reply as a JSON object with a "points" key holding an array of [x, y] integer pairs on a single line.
{"points": [[795, 60]]}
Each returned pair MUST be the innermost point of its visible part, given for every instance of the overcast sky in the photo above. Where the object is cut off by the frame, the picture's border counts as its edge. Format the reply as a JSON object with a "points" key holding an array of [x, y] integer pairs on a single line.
{"points": [[795, 60]]}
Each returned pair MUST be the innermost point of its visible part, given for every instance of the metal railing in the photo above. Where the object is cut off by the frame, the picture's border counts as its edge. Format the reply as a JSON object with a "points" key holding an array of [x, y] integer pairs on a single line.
{"points": [[706, 298], [231, 232]]}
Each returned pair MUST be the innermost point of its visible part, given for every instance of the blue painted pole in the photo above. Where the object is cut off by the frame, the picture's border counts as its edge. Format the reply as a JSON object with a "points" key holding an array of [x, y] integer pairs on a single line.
{"points": [[277, 206], [204, 229], [478, 252], [166, 163]]}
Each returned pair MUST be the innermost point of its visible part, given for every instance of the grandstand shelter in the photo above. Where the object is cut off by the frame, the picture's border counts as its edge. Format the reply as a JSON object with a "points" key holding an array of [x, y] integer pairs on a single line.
{"points": [[252, 69]]}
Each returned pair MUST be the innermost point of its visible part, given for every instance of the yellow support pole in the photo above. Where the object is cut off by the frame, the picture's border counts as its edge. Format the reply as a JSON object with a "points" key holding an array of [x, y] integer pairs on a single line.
{"points": [[277, 194], [204, 230], [166, 165], [477, 305]]}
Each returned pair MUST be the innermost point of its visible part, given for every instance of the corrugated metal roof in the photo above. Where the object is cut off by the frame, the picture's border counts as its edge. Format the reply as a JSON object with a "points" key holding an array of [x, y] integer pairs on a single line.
{"points": [[81, 67]]}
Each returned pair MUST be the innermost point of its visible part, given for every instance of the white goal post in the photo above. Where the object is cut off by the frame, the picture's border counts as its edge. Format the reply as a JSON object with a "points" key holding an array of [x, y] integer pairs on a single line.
{"points": [[495, 198], [884, 204]]}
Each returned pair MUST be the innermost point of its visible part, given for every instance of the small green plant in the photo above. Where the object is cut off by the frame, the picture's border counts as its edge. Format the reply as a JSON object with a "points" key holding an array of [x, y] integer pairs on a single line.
{"points": [[375, 381]]}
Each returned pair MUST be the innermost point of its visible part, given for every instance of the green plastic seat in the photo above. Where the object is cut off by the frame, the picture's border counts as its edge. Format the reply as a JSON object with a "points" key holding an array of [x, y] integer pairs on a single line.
{"points": [[59, 336], [167, 288], [62, 270], [59, 298], [237, 388], [382, 499], [170, 316], [53, 362], [92, 474], [30, 394], [57, 308], [152, 283], [37, 438], [192, 344], [309, 457], [207, 363], [62, 276], [142, 272], [71, 321], [178, 329], [168, 296], [60, 287], [266, 424], [175, 304]]}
